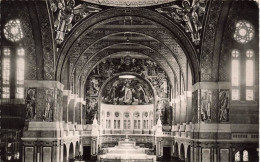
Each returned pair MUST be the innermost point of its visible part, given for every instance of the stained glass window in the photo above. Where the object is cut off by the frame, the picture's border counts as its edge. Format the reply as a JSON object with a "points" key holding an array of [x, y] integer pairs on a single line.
{"points": [[235, 94], [237, 156], [20, 52], [249, 72], [244, 32], [235, 74], [6, 71], [249, 75], [19, 92], [20, 71], [6, 92], [7, 52], [249, 53], [245, 155], [13, 30], [249, 94]]}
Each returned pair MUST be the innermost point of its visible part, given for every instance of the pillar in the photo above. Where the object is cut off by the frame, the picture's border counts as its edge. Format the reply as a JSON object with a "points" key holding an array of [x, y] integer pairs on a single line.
{"points": [[44, 102]]}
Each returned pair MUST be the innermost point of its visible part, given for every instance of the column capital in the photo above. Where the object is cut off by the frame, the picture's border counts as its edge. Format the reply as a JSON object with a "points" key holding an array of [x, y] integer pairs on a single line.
{"points": [[43, 84], [211, 85]]}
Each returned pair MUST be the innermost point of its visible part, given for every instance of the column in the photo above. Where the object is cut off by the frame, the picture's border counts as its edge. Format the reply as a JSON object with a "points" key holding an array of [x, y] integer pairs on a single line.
{"points": [[44, 102], [66, 101]]}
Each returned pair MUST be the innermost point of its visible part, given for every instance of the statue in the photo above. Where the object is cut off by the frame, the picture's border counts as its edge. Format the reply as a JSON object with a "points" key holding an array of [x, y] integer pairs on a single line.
{"points": [[188, 14]]}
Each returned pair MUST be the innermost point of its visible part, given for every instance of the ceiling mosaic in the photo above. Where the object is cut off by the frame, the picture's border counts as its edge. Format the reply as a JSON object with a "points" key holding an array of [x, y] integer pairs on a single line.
{"points": [[129, 3]]}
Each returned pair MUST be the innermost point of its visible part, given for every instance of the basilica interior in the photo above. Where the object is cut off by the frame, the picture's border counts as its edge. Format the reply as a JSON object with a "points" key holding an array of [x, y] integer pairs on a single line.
{"points": [[129, 80]]}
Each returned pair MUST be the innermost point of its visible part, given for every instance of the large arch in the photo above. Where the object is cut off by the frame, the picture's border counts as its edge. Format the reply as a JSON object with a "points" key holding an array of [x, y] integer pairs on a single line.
{"points": [[181, 38], [127, 73]]}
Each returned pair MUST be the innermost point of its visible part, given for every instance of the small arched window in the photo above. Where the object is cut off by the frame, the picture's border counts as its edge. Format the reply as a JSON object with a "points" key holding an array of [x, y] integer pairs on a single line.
{"points": [[20, 73], [6, 67], [237, 157], [235, 74], [245, 155], [250, 75]]}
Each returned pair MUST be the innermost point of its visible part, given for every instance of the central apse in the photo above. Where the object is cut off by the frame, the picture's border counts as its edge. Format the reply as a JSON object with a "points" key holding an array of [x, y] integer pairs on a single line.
{"points": [[120, 83]]}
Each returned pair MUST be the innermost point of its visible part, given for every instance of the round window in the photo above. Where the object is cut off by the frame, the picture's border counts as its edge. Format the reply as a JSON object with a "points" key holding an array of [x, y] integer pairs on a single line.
{"points": [[244, 32], [117, 114], [126, 114], [137, 114]]}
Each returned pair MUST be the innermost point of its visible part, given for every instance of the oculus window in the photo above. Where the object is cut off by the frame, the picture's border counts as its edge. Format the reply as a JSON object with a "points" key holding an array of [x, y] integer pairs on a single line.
{"points": [[13, 30], [244, 32]]}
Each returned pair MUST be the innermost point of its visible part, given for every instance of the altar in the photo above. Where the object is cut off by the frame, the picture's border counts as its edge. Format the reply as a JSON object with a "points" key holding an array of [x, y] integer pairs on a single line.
{"points": [[126, 151]]}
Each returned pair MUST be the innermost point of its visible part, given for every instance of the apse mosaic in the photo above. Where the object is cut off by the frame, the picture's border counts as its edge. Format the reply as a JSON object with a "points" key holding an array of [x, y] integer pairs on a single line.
{"points": [[144, 67], [127, 91]]}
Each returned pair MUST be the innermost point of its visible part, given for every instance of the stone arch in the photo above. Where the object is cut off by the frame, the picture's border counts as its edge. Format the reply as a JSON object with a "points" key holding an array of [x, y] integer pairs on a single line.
{"points": [[77, 150], [181, 36], [188, 154], [182, 152], [71, 151], [176, 150], [65, 153], [127, 73]]}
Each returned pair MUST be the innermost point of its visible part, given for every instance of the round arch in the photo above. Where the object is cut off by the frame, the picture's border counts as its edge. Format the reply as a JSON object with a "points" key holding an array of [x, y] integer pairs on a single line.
{"points": [[65, 156], [180, 35], [71, 151], [182, 153], [176, 150], [126, 73], [188, 154], [93, 63]]}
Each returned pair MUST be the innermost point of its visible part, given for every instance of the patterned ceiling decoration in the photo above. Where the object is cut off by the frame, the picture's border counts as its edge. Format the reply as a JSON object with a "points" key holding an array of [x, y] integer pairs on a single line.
{"points": [[188, 15], [108, 44], [207, 49], [67, 13], [145, 52], [129, 3], [111, 27], [148, 35]]}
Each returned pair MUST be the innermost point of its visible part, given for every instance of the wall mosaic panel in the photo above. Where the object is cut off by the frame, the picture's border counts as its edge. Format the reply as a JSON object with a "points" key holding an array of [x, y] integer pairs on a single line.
{"points": [[47, 41], [43, 104], [30, 104], [206, 105], [127, 91], [207, 49], [223, 106]]}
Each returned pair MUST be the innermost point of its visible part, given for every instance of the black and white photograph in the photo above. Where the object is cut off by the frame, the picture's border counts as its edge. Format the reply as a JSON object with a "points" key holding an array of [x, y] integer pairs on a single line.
{"points": [[129, 81]]}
